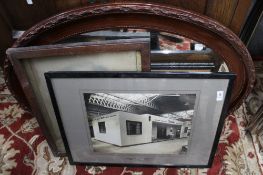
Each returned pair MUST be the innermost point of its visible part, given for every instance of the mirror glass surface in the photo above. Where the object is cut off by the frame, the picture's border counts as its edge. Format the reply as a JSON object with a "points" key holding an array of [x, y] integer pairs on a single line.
{"points": [[169, 52]]}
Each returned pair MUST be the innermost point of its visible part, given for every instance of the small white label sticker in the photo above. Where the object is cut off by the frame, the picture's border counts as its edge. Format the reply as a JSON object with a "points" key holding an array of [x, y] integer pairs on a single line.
{"points": [[29, 2], [219, 95]]}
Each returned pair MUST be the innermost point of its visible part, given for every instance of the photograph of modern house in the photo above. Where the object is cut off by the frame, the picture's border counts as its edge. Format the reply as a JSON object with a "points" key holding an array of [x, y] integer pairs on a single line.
{"points": [[140, 123]]}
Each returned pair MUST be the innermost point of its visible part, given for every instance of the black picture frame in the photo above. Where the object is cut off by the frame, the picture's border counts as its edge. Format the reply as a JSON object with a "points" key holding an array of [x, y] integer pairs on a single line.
{"points": [[143, 160]]}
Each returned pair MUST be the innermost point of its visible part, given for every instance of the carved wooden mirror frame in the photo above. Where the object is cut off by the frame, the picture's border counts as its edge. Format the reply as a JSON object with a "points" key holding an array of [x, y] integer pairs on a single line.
{"points": [[146, 16]]}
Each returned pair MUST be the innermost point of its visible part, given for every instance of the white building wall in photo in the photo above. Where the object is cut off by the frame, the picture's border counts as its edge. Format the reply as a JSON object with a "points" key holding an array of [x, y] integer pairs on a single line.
{"points": [[112, 124], [116, 130], [145, 137]]}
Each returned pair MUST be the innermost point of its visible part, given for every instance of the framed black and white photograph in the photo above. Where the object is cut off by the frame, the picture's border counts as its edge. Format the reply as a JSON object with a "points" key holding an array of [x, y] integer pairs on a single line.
{"points": [[149, 119]]}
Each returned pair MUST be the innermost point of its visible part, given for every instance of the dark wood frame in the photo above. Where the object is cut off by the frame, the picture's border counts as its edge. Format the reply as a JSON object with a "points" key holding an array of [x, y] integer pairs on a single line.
{"points": [[142, 45], [15, 55], [80, 74]]}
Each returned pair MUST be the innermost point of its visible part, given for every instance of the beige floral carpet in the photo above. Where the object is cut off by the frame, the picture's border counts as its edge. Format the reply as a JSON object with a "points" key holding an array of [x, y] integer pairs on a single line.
{"points": [[24, 150]]}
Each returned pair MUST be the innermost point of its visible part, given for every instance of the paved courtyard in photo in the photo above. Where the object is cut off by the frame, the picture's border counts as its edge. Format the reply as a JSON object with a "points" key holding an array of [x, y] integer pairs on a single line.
{"points": [[162, 147]]}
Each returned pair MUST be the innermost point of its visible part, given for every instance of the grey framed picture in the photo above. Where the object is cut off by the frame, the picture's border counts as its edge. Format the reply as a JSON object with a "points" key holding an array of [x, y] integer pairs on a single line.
{"points": [[30, 64], [145, 119]]}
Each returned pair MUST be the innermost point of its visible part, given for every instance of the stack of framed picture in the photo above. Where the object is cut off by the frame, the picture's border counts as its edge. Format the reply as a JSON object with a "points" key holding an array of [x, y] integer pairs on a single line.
{"points": [[108, 86], [99, 103]]}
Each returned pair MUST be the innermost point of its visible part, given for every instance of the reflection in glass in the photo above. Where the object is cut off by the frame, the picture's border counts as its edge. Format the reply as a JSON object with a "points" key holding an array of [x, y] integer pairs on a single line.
{"points": [[169, 52]]}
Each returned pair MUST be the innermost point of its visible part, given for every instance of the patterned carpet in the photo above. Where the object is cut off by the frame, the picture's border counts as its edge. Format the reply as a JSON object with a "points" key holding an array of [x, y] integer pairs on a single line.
{"points": [[24, 150]]}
